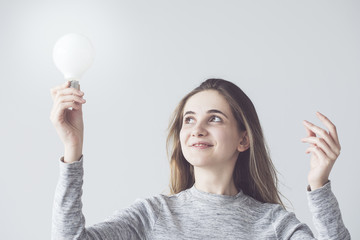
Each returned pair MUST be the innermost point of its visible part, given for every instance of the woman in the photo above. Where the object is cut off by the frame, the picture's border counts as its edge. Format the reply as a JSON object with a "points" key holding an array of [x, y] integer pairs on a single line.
{"points": [[223, 182]]}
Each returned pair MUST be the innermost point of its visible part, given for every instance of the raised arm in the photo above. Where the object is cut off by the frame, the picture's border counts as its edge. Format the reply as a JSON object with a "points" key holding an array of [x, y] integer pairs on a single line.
{"points": [[325, 149], [68, 221]]}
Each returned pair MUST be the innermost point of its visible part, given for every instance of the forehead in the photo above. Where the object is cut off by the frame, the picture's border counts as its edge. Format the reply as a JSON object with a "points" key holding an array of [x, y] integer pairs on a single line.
{"points": [[205, 100]]}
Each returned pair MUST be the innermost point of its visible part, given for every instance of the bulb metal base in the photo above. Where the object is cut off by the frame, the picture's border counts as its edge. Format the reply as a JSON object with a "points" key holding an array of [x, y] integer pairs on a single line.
{"points": [[75, 84]]}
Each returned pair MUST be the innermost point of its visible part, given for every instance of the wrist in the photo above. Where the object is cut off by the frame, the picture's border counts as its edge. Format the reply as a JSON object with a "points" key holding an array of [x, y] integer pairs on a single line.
{"points": [[314, 186], [72, 154]]}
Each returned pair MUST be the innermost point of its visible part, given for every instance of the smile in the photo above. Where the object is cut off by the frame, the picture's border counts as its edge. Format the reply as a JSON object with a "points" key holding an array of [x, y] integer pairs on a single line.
{"points": [[201, 145]]}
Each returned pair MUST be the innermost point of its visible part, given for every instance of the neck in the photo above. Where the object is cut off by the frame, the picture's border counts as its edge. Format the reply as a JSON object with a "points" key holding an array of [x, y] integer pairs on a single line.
{"points": [[219, 181]]}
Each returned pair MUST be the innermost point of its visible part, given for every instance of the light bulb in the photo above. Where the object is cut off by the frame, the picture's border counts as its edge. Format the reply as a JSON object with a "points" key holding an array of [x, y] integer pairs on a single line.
{"points": [[73, 54]]}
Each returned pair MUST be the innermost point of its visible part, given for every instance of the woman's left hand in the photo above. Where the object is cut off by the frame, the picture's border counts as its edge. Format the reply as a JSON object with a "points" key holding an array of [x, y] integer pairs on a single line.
{"points": [[324, 148]]}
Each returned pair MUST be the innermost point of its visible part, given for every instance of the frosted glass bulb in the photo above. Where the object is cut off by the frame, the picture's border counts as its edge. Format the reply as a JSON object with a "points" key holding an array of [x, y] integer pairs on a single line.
{"points": [[73, 54]]}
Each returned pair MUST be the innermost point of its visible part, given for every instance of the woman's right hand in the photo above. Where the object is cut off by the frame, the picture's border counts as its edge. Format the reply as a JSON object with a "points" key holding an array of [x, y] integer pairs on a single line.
{"points": [[68, 123]]}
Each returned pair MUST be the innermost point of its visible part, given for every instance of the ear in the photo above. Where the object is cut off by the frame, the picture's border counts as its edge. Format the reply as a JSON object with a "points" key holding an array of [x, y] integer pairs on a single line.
{"points": [[244, 142]]}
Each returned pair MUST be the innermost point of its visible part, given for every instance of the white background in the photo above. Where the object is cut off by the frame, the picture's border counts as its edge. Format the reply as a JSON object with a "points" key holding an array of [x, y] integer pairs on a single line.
{"points": [[292, 58]]}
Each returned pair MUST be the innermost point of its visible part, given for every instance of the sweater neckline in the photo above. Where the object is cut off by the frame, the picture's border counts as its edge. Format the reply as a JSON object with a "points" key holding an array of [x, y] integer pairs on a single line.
{"points": [[213, 196]]}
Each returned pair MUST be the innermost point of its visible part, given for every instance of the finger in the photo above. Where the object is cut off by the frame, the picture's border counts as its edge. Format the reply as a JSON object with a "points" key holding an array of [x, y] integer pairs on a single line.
{"points": [[53, 91], [66, 98], [68, 91], [317, 151], [62, 86], [323, 146], [74, 103], [70, 98], [62, 107], [330, 126], [308, 131], [321, 155], [321, 132], [332, 146]]}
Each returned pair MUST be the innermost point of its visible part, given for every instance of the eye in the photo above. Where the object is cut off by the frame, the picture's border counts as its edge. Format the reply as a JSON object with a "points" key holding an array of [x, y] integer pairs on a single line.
{"points": [[189, 120], [215, 119]]}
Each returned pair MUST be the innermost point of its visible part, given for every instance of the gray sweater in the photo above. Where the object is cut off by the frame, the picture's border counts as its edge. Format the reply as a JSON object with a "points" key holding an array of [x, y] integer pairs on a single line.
{"points": [[192, 214]]}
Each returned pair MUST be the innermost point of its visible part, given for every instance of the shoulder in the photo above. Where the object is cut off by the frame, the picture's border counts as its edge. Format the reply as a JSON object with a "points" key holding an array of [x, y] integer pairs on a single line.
{"points": [[274, 212], [284, 222]]}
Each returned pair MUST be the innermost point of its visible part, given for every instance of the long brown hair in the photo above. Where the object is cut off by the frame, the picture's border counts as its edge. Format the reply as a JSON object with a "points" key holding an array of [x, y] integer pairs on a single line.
{"points": [[254, 172]]}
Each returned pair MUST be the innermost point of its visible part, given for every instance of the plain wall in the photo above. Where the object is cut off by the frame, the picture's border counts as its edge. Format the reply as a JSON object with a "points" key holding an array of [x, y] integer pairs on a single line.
{"points": [[292, 58]]}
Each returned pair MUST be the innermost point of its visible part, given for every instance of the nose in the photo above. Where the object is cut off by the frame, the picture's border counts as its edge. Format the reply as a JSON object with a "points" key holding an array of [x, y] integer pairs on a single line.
{"points": [[198, 131]]}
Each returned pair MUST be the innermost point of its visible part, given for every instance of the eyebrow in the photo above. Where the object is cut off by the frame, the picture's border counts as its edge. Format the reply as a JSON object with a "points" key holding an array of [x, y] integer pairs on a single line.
{"points": [[209, 111]]}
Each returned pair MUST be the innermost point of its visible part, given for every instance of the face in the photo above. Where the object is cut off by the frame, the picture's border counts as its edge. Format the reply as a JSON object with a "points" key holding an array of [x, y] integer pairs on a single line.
{"points": [[209, 135]]}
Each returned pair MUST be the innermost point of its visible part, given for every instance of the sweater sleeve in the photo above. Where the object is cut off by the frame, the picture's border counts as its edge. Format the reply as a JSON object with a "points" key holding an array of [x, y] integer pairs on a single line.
{"points": [[68, 222], [326, 216]]}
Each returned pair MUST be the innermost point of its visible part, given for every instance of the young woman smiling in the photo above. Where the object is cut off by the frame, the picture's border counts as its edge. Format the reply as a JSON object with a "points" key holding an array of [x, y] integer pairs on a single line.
{"points": [[223, 183]]}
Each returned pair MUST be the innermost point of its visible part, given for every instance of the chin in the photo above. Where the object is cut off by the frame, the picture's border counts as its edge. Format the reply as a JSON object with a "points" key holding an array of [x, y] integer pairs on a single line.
{"points": [[200, 162]]}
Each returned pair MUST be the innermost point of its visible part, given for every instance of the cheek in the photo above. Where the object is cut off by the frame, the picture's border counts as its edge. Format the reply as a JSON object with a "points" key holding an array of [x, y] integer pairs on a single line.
{"points": [[221, 135], [183, 140], [183, 135], [227, 139]]}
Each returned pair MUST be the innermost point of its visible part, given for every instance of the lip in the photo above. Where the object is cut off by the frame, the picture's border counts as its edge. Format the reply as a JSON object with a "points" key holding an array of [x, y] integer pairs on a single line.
{"points": [[201, 145]]}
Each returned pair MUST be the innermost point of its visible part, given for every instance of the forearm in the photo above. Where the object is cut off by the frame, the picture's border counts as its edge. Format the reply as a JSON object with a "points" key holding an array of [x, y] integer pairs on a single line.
{"points": [[326, 214], [68, 221]]}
